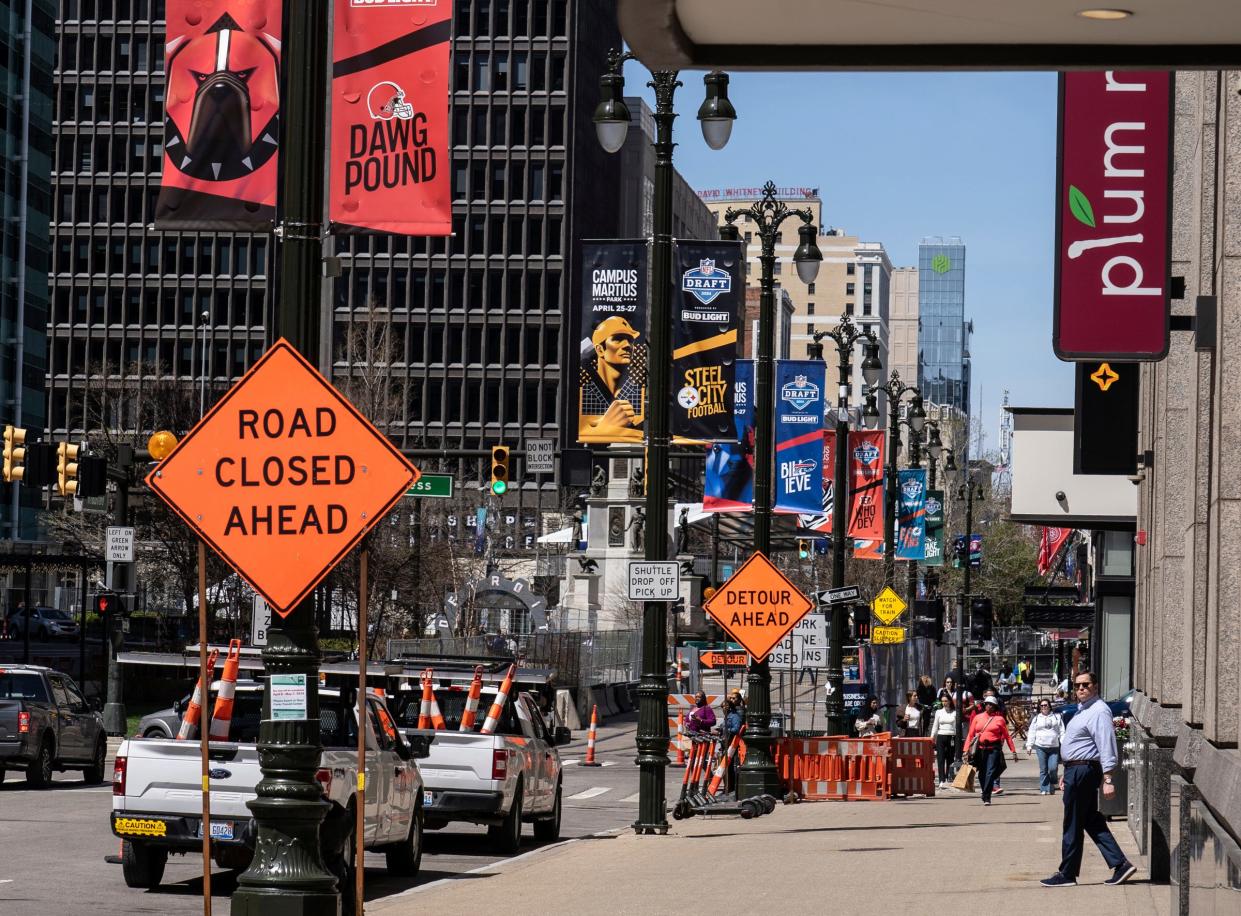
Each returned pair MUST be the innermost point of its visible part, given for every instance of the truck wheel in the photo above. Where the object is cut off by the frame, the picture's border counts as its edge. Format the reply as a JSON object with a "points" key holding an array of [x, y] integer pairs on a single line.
{"points": [[39, 770], [93, 774], [506, 837], [142, 865], [405, 858], [547, 829]]}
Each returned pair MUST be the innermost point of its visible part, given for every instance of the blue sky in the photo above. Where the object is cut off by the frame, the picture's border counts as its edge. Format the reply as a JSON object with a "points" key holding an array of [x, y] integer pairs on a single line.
{"points": [[901, 156]]}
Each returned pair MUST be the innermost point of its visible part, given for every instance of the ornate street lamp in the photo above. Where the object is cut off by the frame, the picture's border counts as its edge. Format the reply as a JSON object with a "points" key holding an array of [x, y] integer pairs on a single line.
{"points": [[895, 389], [758, 774], [611, 125]]}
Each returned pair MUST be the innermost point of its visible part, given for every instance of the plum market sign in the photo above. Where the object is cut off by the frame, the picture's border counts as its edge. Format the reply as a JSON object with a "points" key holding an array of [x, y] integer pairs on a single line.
{"points": [[283, 477], [758, 606]]}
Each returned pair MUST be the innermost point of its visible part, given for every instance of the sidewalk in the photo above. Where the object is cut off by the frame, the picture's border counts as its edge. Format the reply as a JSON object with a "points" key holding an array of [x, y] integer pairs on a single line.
{"points": [[947, 854]]}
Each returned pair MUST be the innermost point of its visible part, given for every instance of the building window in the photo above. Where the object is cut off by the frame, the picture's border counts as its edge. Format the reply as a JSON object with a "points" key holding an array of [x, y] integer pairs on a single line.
{"points": [[848, 308], [810, 328], [810, 287], [777, 268], [849, 289], [850, 268], [809, 308]]}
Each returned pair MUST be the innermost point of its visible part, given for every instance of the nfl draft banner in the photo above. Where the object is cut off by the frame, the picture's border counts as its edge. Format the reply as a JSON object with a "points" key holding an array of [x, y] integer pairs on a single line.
{"points": [[389, 141], [729, 483], [1114, 216], [822, 521], [707, 311], [612, 374], [866, 494], [934, 539], [799, 435], [911, 531], [222, 115]]}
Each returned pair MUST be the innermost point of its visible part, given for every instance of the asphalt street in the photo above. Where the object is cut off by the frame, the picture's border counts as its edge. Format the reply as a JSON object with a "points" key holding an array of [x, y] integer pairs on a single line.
{"points": [[53, 843]]}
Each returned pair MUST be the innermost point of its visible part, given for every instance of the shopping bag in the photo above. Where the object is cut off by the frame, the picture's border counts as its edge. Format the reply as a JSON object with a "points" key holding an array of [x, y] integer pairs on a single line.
{"points": [[965, 778]]}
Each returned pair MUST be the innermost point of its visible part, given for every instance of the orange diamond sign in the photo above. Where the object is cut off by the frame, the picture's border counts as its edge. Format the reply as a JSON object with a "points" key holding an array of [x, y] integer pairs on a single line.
{"points": [[283, 477], [758, 606]]}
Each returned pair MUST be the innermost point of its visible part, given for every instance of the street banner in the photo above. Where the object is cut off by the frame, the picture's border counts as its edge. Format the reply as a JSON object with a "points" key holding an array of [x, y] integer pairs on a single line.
{"points": [[1114, 215], [612, 375], [1049, 548], [975, 551], [911, 513], [822, 520], [934, 539], [706, 315], [868, 549], [729, 482], [799, 435], [221, 115], [866, 491], [389, 164]]}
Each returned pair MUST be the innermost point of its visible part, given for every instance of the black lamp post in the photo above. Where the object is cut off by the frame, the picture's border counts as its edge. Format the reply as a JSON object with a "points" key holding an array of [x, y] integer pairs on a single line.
{"points": [[758, 774], [845, 337], [966, 491], [936, 450], [895, 389], [611, 125]]}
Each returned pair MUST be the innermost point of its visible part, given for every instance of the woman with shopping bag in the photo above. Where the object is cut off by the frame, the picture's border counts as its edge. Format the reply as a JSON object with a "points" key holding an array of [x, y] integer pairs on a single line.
{"points": [[984, 745]]}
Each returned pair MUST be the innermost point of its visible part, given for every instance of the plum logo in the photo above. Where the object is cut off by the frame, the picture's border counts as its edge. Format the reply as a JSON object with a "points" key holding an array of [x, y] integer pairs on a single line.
{"points": [[941, 263]]}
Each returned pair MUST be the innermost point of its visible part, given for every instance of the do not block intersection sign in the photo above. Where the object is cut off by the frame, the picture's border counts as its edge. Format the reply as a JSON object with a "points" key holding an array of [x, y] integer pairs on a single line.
{"points": [[758, 606]]}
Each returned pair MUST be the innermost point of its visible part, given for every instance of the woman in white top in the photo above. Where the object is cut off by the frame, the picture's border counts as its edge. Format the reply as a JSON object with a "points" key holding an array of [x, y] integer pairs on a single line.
{"points": [[1046, 730], [911, 716], [944, 732]]}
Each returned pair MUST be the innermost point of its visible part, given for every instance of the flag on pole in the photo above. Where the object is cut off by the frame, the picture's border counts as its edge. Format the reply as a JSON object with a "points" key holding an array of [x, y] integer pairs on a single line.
{"points": [[1049, 548]]}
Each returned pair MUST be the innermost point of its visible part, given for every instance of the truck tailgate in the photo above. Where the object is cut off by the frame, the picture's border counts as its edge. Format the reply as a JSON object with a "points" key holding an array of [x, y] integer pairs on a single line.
{"points": [[164, 776], [459, 760]]}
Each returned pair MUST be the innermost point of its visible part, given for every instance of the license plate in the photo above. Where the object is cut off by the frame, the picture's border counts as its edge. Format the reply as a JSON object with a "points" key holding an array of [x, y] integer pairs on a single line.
{"points": [[428, 798], [220, 830]]}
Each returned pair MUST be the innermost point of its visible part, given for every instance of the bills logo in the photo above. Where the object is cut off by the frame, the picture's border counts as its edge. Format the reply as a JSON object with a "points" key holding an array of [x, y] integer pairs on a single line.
{"points": [[867, 453], [706, 282], [795, 475], [800, 393], [912, 490], [933, 506]]}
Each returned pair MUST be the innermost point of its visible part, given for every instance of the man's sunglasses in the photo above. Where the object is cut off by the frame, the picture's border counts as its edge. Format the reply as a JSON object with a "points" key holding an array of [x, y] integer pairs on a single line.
{"points": [[1080, 684]]}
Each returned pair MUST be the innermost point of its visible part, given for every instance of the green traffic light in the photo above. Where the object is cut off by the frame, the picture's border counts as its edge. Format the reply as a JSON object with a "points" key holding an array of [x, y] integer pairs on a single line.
{"points": [[499, 487]]}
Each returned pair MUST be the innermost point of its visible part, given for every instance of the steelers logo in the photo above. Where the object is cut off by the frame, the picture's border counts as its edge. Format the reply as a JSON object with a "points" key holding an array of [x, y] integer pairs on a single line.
{"points": [[687, 397]]}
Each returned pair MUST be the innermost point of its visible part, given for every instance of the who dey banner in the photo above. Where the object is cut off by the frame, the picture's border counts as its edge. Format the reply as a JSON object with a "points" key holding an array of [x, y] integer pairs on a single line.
{"points": [[705, 317], [866, 493], [912, 514], [729, 482], [389, 151], [799, 435]]}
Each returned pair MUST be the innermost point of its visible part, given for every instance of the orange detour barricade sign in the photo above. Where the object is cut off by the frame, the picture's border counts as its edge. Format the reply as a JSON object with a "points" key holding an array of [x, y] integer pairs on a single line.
{"points": [[590, 738], [222, 713], [189, 721], [758, 606], [497, 707], [471, 702]]}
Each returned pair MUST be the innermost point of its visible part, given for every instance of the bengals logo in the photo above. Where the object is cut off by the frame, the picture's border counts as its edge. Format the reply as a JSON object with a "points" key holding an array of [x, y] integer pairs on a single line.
{"points": [[223, 106]]}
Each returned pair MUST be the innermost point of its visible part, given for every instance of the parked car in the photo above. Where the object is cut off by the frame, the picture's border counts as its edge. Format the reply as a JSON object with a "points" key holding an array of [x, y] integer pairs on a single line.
{"points": [[45, 623], [1118, 707], [46, 725], [166, 723]]}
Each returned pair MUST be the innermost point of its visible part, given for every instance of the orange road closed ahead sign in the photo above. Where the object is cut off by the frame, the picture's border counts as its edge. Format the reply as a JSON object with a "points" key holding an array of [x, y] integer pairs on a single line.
{"points": [[758, 606], [283, 477]]}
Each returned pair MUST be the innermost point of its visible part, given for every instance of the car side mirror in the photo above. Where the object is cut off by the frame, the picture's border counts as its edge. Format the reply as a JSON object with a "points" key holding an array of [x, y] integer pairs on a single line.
{"points": [[176, 706], [561, 735]]}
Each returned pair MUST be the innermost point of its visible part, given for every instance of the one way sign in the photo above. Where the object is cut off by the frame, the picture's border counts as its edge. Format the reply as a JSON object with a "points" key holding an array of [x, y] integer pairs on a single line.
{"points": [[838, 595]]}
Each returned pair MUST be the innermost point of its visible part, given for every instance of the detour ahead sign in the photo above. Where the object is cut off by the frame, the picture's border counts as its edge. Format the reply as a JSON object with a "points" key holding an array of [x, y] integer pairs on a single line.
{"points": [[758, 606], [282, 477]]}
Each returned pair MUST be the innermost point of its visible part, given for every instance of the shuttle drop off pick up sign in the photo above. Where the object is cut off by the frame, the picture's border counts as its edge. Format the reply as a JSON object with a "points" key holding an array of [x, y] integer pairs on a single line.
{"points": [[283, 477], [758, 606]]}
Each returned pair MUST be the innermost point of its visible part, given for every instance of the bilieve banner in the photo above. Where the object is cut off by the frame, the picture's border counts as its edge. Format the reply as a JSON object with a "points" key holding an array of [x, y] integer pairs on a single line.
{"points": [[612, 373], [822, 521], [799, 435], [729, 482], [866, 493], [911, 530], [706, 314], [390, 170], [221, 115], [934, 539]]}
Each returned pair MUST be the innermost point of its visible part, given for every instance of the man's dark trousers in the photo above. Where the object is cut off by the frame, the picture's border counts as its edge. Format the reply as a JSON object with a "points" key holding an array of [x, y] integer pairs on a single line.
{"points": [[1081, 814]]}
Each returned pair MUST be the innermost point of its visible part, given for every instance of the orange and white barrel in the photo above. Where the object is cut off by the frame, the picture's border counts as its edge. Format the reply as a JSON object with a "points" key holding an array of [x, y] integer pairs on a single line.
{"points": [[222, 712], [497, 706], [590, 738], [471, 702], [189, 720]]}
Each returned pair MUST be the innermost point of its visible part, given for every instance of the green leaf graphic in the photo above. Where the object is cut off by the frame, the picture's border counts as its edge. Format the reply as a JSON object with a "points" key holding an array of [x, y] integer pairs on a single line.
{"points": [[941, 263], [1080, 205]]}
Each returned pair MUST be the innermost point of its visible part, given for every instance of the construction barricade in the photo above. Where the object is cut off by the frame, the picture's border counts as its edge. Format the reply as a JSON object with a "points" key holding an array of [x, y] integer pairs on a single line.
{"points": [[913, 767], [855, 769]]}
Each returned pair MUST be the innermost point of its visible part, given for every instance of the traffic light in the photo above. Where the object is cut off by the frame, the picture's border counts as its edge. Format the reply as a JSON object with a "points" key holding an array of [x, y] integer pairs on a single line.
{"points": [[859, 623], [92, 476], [109, 603], [980, 619], [67, 469], [928, 619], [14, 453], [499, 469], [803, 549], [40, 469]]}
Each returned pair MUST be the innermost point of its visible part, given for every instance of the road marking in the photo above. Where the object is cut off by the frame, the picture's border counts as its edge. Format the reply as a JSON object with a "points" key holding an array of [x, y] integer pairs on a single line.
{"points": [[632, 798], [569, 763], [592, 792], [6, 880], [608, 763]]}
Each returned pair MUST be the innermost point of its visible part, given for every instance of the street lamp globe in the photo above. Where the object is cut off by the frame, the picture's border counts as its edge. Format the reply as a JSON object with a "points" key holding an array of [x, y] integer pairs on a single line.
{"points": [[935, 445], [807, 257], [870, 413], [872, 369], [612, 114], [716, 114], [730, 233], [917, 415], [952, 463]]}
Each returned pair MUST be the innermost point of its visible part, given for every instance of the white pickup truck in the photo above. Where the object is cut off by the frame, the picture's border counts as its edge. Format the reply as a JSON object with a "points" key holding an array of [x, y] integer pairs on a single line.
{"points": [[157, 796], [499, 780]]}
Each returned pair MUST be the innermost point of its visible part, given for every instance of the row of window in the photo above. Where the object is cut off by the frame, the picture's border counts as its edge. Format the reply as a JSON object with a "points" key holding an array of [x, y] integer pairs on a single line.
{"points": [[497, 180], [153, 307], [110, 52], [119, 10], [512, 17], [478, 125], [134, 154], [169, 255], [508, 401], [80, 356], [402, 289], [482, 70], [101, 102], [470, 345]]}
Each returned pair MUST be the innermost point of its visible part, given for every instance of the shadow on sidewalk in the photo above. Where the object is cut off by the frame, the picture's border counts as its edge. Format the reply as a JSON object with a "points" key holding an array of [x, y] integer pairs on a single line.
{"points": [[793, 830]]}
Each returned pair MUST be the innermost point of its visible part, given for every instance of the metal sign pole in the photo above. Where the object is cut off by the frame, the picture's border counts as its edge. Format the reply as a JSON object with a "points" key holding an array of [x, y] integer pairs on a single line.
{"points": [[203, 724], [360, 828]]}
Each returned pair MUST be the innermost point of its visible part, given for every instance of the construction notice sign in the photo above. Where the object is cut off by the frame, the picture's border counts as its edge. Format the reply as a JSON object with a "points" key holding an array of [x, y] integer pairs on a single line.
{"points": [[758, 606], [283, 477], [886, 635], [888, 605], [715, 659]]}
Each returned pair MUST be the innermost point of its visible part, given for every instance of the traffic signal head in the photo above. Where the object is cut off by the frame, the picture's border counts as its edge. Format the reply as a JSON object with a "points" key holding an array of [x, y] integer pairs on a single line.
{"points": [[499, 469], [67, 468], [14, 453], [980, 619], [92, 476], [109, 603], [859, 623], [803, 549], [928, 619]]}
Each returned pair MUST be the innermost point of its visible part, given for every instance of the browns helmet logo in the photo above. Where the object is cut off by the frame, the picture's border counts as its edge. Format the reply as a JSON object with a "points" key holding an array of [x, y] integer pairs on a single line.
{"points": [[386, 101], [223, 106]]}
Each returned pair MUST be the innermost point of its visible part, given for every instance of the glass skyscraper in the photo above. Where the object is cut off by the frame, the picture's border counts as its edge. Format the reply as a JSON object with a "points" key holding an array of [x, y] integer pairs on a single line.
{"points": [[943, 333]]}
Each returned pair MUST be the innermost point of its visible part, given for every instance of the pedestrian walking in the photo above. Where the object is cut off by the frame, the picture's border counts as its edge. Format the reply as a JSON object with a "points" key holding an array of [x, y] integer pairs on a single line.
{"points": [[926, 691], [1002, 708], [985, 744], [1090, 759], [911, 716], [949, 689], [702, 719], [944, 734], [734, 718], [1044, 734], [869, 719]]}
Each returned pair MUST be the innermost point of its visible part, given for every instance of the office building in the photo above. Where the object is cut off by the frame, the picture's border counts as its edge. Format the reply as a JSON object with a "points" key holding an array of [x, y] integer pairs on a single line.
{"points": [[903, 324], [943, 336]]}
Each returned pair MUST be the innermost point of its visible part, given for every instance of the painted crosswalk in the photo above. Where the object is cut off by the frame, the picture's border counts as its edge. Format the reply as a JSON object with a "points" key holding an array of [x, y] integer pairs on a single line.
{"points": [[592, 792], [577, 762]]}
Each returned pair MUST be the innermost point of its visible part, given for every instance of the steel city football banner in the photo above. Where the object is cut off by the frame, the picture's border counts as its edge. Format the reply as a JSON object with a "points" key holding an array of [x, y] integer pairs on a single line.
{"points": [[822, 521], [912, 514], [389, 169], [934, 539], [799, 435], [613, 350], [706, 313], [1113, 215], [866, 493], [221, 115], [729, 482]]}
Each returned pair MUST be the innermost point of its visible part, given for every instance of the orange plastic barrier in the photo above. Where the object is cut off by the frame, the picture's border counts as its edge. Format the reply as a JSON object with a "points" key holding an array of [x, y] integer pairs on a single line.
{"points": [[913, 767], [856, 769]]}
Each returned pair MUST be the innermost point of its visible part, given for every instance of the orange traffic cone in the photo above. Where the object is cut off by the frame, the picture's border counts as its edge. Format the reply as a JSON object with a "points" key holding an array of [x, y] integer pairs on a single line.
{"points": [[725, 759], [189, 720], [680, 761], [497, 707], [222, 713], [471, 702], [590, 738]]}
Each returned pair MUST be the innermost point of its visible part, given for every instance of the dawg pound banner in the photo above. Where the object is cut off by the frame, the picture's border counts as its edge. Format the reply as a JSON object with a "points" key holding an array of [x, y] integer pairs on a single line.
{"points": [[729, 482], [933, 541], [221, 115], [390, 170], [912, 514], [612, 372], [866, 493], [799, 435], [706, 312]]}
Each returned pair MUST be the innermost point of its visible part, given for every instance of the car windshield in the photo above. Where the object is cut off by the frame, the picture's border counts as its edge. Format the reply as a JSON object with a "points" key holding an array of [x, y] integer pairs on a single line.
{"points": [[51, 613], [22, 685]]}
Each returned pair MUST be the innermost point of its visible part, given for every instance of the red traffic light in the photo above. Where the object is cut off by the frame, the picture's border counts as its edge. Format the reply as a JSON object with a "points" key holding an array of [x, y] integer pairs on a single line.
{"points": [[108, 603]]}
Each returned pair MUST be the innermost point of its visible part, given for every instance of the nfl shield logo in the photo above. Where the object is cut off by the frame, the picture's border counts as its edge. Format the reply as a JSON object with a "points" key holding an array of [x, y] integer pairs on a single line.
{"points": [[933, 506], [706, 282], [866, 453], [912, 490], [801, 392]]}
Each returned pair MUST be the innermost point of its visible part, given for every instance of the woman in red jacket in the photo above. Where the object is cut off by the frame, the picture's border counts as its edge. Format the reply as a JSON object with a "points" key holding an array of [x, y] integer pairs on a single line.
{"points": [[991, 732]]}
